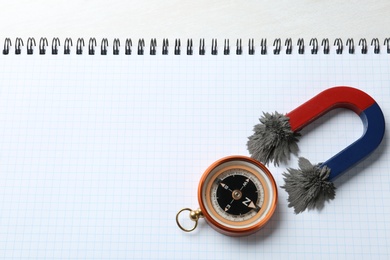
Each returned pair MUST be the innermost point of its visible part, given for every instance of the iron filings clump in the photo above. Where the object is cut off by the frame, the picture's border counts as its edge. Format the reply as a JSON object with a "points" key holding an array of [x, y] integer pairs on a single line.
{"points": [[308, 187], [273, 139]]}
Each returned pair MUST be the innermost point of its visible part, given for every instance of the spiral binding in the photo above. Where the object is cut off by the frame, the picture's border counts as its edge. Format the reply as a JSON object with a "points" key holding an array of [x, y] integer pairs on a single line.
{"points": [[91, 46], [288, 44], [289, 47], [189, 47], [239, 47], [251, 47], [54, 46], [278, 46], [177, 46], [202, 49], [325, 43], [141, 47], [351, 46], [263, 47], [104, 46], [79, 46], [67, 44], [226, 47], [128, 45], [43, 43], [153, 46]]}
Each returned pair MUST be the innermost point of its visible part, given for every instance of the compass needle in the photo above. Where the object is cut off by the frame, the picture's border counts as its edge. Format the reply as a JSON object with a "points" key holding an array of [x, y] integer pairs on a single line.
{"points": [[226, 187]]}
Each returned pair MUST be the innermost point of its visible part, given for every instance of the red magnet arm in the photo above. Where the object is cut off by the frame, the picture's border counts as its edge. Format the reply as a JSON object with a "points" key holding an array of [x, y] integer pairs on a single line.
{"points": [[337, 97]]}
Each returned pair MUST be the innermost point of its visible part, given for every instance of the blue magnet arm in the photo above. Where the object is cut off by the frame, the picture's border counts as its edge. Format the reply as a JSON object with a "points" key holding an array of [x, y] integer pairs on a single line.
{"points": [[374, 129]]}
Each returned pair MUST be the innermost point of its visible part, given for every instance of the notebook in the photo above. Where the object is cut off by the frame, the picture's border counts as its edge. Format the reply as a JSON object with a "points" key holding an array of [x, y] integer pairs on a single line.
{"points": [[103, 141]]}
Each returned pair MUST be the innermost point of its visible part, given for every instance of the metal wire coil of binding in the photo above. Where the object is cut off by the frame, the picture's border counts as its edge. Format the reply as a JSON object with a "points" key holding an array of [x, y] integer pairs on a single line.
{"points": [[204, 47]]}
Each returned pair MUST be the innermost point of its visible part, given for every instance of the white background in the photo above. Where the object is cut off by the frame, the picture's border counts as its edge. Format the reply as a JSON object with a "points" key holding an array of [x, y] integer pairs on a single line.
{"points": [[195, 19]]}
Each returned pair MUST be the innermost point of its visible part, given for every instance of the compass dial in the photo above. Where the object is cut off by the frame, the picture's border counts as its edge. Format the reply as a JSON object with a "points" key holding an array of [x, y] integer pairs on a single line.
{"points": [[237, 195]]}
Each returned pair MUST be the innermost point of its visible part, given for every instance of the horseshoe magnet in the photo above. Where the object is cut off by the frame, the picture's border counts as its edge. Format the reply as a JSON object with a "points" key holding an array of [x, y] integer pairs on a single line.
{"points": [[277, 136]]}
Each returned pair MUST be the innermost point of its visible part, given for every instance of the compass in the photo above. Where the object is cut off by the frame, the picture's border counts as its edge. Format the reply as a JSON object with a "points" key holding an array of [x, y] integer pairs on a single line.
{"points": [[237, 196]]}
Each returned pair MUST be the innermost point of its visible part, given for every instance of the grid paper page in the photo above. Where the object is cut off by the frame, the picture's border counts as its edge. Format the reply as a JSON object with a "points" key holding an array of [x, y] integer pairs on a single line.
{"points": [[99, 153]]}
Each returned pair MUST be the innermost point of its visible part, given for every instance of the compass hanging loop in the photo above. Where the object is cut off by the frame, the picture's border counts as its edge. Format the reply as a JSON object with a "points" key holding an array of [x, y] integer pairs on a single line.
{"points": [[194, 216]]}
